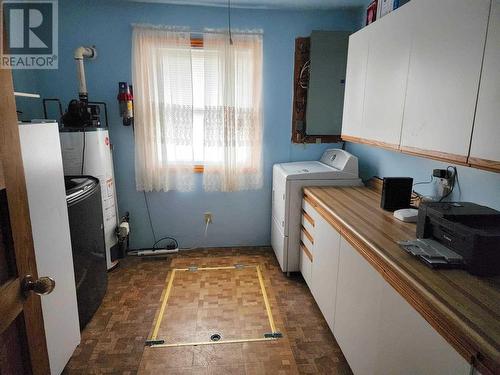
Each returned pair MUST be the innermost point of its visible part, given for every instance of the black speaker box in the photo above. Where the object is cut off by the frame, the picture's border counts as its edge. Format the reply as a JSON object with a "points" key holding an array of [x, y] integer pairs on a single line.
{"points": [[396, 193]]}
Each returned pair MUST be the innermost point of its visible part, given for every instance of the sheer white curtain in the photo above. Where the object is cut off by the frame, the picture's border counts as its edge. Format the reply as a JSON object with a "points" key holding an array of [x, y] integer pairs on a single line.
{"points": [[197, 106], [163, 98], [232, 116]]}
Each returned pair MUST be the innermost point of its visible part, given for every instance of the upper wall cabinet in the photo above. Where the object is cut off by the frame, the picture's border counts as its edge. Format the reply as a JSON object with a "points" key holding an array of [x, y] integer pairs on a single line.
{"points": [[443, 77], [357, 59], [425, 80], [386, 76], [485, 149]]}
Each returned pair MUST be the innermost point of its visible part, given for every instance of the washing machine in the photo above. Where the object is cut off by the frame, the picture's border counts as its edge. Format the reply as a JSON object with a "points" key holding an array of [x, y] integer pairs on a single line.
{"points": [[335, 168], [83, 197], [87, 151]]}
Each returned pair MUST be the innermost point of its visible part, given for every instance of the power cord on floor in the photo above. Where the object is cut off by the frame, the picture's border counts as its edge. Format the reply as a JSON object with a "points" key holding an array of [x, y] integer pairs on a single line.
{"points": [[149, 216], [158, 241]]}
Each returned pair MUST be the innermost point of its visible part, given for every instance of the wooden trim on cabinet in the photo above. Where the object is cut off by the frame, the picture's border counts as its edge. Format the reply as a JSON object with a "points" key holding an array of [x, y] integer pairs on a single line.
{"points": [[413, 293], [371, 142], [488, 165], [306, 251], [307, 217], [324, 213], [436, 155], [310, 200], [307, 234], [411, 282]]}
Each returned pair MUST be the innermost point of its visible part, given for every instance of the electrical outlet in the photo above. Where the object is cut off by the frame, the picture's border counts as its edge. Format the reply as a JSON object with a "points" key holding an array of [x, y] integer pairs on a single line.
{"points": [[443, 187], [446, 179], [208, 217]]}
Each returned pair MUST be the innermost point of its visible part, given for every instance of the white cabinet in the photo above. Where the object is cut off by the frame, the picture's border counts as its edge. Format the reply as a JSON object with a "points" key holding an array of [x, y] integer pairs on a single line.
{"points": [[386, 76], [357, 310], [443, 77], [305, 264], [409, 345], [486, 127], [307, 254], [357, 57], [325, 268], [379, 332]]}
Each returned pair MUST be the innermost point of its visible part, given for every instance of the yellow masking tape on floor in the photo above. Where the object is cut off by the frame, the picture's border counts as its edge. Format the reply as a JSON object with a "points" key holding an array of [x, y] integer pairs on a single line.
{"points": [[163, 306], [167, 293], [266, 301], [211, 342]]}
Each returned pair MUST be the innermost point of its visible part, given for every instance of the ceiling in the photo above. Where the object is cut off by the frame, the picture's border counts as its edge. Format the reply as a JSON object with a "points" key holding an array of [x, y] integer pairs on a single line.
{"points": [[267, 4]]}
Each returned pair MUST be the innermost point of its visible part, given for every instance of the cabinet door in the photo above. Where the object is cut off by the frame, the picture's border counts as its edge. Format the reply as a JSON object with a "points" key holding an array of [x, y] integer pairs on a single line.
{"points": [[305, 264], [325, 268], [357, 310], [443, 77], [409, 345], [379, 332], [485, 151], [386, 76], [357, 56], [325, 94]]}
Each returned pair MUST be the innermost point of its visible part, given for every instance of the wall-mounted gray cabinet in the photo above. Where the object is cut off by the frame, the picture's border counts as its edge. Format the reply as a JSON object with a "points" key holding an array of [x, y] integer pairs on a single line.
{"points": [[325, 97]]}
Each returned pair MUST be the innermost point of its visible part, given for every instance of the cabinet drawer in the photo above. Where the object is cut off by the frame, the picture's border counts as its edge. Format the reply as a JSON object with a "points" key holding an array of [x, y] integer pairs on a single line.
{"points": [[306, 260], [307, 239], [308, 208], [307, 222]]}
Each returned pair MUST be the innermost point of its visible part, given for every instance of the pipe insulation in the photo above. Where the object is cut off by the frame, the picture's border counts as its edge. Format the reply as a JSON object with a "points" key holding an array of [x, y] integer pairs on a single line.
{"points": [[80, 54]]}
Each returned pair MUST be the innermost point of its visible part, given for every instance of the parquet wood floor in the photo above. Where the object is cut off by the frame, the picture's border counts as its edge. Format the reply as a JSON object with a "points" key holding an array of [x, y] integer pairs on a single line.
{"points": [[228, 302], [113, 342]]}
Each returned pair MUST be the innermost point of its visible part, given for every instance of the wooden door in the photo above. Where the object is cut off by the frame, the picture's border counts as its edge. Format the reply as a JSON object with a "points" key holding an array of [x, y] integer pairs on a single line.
{"points": [[23, 347]]}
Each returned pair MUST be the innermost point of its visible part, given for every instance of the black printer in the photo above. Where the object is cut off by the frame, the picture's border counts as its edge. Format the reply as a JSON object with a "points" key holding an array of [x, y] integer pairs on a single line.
{"points": [[468, 229]]}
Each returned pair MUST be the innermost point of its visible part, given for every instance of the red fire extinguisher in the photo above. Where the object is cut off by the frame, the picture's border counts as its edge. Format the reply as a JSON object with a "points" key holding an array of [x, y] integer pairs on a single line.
{"points": [[126, 101]]}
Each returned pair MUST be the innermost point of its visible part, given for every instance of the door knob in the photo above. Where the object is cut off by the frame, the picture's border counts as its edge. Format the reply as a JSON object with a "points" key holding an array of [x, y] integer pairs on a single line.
{"points": [[41, 286]]}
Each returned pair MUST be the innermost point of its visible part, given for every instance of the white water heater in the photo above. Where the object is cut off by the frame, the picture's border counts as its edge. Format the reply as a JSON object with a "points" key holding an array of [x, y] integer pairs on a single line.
{"points": [[87, 151]]}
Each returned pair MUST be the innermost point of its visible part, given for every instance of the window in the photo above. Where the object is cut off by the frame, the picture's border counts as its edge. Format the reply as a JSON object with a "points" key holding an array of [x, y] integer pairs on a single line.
{"points": [[198, 102]]}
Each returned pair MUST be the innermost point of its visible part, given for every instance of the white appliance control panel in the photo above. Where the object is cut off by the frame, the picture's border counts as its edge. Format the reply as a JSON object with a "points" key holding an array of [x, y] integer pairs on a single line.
{"points": [[341, 160]]}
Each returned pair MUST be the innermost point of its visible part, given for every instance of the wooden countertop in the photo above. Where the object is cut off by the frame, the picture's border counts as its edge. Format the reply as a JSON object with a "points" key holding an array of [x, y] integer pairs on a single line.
{"points": [[463, 308]]}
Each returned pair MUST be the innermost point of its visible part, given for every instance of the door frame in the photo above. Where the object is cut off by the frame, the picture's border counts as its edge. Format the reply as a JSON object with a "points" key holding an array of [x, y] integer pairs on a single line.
{"points": [[14, 181]]}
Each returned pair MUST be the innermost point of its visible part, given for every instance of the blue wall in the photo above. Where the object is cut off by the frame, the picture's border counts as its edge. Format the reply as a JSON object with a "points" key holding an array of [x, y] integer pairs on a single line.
{"points": [[241, 218], [474, 185]]}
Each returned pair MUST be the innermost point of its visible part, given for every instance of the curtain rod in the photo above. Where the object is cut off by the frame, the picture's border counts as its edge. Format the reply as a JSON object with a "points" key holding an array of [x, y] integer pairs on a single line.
{"points": [[207, 30]]}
